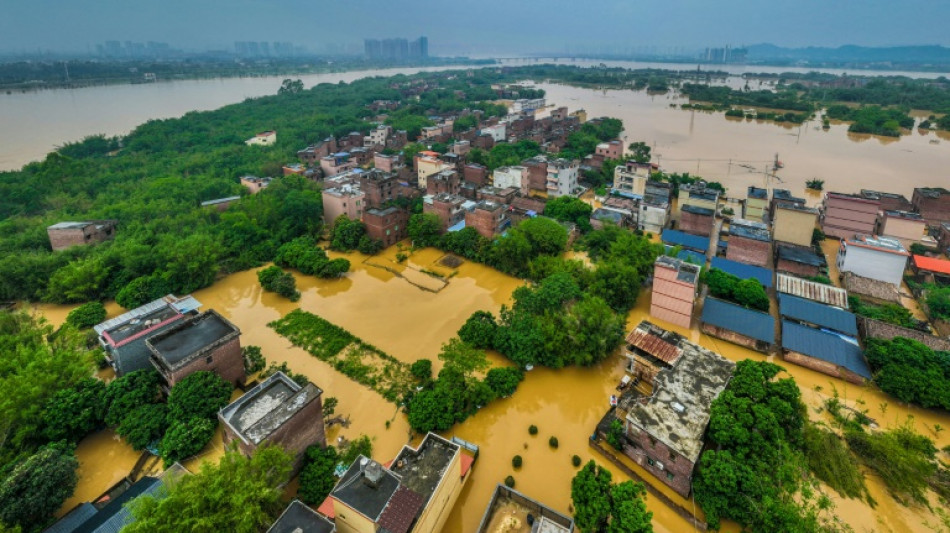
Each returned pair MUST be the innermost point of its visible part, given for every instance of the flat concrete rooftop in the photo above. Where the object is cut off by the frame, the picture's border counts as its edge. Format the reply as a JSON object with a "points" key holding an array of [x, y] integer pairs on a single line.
{"points": [[190, 336]]}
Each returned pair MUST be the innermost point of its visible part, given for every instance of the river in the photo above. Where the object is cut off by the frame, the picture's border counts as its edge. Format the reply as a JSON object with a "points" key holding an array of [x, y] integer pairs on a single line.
{"points": [[399, 317]]}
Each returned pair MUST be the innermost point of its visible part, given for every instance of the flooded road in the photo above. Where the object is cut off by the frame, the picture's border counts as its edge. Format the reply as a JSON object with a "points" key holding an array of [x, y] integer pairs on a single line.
{"points": [[385, 309]]}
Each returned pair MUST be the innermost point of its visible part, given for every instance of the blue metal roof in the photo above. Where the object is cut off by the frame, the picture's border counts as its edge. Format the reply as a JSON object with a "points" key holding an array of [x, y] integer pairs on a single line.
{"points": [[825, 345], [459, 226], [743, 271], [679, 238], [726, 315], [688, 256], [73, 519], [812, 312]]}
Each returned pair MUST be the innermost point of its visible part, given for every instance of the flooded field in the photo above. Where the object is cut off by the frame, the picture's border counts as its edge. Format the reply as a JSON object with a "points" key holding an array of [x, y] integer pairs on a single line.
{"points": [[389, 308]]}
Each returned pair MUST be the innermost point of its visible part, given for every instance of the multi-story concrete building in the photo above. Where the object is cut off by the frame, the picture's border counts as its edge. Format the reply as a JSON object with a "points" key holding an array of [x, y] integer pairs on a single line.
{"points": [[756, 204], [343, 200], [337, 163], [377, 137], [427, 164], [674, 290], [475, 174], [847, 215], [515, 177], [697, 220], [880, 258], [664, 431], [933, 203], [387, 163], [609, 150], [449, 208], [697, 194], [562, 178], [783, 197], [64, 235], [312, 154], [276, 411], [497, 132], [379, 187], [488, 218], [655, 207], [389, 225], [537, 168], [632, 178], [749, 242], [204, 342], [909, 228], [509, 508], [497, 195], [265, 138], [793, 224], [446, 181]]}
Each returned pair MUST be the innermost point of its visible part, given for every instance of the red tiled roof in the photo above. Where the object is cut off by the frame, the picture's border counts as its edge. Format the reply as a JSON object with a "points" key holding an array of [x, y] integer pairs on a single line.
{"points": [[326, 508], [653, 345], [467, 461], [398, 515], [931, 264]]}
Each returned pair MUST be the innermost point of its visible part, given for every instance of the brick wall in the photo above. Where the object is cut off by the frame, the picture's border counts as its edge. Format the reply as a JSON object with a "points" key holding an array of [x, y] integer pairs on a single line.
{"points": [[650, 453], [749, 251], [389, 227], [537, 175], [476, 174], [482, 220], [735, 338], [825, 367], [62, 238], [696, 224], [934, 210], [226, 361], [799, 269]]}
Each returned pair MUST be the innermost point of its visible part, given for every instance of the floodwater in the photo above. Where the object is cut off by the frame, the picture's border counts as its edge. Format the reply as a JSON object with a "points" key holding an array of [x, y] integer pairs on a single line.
{"points": [[390, 310]]}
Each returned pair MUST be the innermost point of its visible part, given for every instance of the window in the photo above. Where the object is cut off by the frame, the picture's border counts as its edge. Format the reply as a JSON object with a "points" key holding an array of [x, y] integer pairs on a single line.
{"points": [[652, 441], [670, 476], [209, 359], [650, 461], [672, 457]]}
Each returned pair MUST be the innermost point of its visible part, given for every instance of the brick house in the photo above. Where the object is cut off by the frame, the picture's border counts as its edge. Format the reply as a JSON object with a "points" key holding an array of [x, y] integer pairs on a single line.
{"points": [[344, 200], [387, 163], [449, 208], [909, 228], [880, 258], [674, 290], [889, 201], [798, 260], [749, 242], [756, 203], [845, 215], [498, 195], [276, 411], [697, 220], [476, 174], [337, 163], [736, 324], [204, 342], [446, 181], [823, 352], [665, 430], [312, 154], [63, 235], [379, 187], [488, 218], [387, 225], [537, 168], [610, 149], [933, 203], [254, 184]]}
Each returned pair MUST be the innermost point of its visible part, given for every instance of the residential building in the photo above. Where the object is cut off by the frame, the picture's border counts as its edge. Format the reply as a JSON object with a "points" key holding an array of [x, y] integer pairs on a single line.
{"points": [[475, 174], [697, 220], [811, 290], [298, 518], [738, 325], [581, 116], [749, 242], [449, 208], [674, 290], [378, 137], [488, 218], [743, 270], [933, 203], [846, 215], [416, 493], [293, 169], [537, 174], [931, 270], [265, 138], [942, 235], [207, 341], [276, 411], [512, 512], [343, 200], [123, 338], [64, 235], [609, 150], [799, 260], [515, 177], [337, 163], [379, 187], [889, 201], [389, 225], [756, 204], [783, 197], [817, 315], [387, 163], [697, 194], [655, 208], [497, 195], [527, 105], [497, 132], [909, 228], [254, 184], [793, 224], [562, 178], [631, 178], [665, 430], [880, 258], [446, 181], [824, 352], [221, 204], [695, 243], [871, 290], [427, 164], [312, 154]]}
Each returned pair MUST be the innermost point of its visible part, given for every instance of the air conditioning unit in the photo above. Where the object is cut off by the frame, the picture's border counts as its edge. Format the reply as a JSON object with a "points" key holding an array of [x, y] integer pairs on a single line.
{"points": [[659, 465]]}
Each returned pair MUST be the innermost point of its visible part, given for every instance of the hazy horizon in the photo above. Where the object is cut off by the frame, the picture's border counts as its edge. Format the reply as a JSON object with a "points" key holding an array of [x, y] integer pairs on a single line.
{"points": [[491, 27]]}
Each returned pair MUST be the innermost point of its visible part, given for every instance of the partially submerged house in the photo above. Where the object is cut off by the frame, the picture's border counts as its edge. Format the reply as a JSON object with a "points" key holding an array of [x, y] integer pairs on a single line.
{"points": [[880, 258], [675, 283], [695, 243], [204, 342], [811, 290], [665, 430], [276, 411], [749, 242], [512, 512], [743, 270], [930, 269], [846, 215], [794, 224], [799, 260], [826, 352], [815, 314], [732, 322]]}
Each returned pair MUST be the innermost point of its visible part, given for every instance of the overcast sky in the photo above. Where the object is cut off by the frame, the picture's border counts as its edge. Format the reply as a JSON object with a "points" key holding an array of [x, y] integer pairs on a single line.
{"points": [[479, 26]]}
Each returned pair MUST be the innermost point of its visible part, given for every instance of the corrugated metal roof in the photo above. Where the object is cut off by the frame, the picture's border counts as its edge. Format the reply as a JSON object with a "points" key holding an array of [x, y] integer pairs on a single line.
{"points": [[679, 238], [811, 290], [73, 519], [822, 315], [653, 344], [743, 271], [799, 254], [931, 264], [824, 345], [688, 255], [726, 315]]}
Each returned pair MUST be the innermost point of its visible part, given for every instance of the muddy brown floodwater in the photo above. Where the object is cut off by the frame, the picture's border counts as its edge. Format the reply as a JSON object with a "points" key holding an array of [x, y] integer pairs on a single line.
{"points": [[389, 309]]}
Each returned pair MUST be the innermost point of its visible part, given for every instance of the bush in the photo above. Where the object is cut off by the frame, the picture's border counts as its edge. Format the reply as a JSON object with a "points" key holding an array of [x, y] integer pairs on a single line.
{"points": [[316, 477], [504, 381], [903, 459], [185, 439], [510, 482], [125, 394], [369, 246], [253, 359], [832, 462], [200, 395], [576, 461], [615, 434], [421, 370], [346, 234], [552, 442], [86, 315], [516, 461], [141, 291], [938, 301], [145, 424], [73, 413], [36, 487], [274, 279], [911, 371], [479, 330], [533, 429]]}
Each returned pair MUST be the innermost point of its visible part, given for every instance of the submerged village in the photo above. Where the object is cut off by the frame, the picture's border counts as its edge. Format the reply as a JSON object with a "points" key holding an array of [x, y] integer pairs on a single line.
{"points": [[491, 314]]}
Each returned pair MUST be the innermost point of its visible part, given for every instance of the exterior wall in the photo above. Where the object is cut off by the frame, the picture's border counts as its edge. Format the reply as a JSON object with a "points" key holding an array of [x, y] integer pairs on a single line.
{"points": [[755, 209], [349, 204], [630, 181], [226, 361], [444, 182], [870, 263], [389, 228], [537, 175], [561, 180], [846, 216], [793, 226], [476, 174], [658, 459], [934, 210], [448, 212], [653, 218], [60, 239], [671, 300], [425, 167], [908, 231], [686, 199], [943, 236], [610, 150], [825, 367], [734, 338], [509, 177], [696, 224], [497, 132], [749, 251], [799, 269], [442, 501], [484, 221], [348, 520]]}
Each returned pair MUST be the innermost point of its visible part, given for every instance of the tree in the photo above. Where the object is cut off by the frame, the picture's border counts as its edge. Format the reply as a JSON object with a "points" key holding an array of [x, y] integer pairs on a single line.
{"points": [[750, 293], [253, 359], [463, 358], [73, 413], [938, 301], [424, 229], [617, 283], [369, 246], [602, 507], [200, 395], [346, 234], [206, 500], [86, 315], [141, 291], [144, 425], [569, 209], [317, 475], [421, 370], [185, 438], [37, 486], [641, 151], [911, 371], [79, 281], [546, 236], [289, 86], [479, 330], [504, 381], [276, 280], [128, 392], [628, 513]]}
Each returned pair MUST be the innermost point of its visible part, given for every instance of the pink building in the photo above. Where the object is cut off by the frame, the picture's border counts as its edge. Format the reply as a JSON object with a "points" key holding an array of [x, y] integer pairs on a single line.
{"points": [[610, 150], [674, 290], [845, 215], [344, 200]]}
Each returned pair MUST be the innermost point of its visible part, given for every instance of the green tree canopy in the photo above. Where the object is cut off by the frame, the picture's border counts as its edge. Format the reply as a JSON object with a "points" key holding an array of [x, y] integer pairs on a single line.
{"points": [[36, 487], [603, 507]]}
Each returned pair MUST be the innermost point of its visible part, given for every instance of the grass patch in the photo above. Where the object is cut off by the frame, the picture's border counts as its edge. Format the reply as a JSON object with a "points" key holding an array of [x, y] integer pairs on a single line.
{"points": [[831, 461]]}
